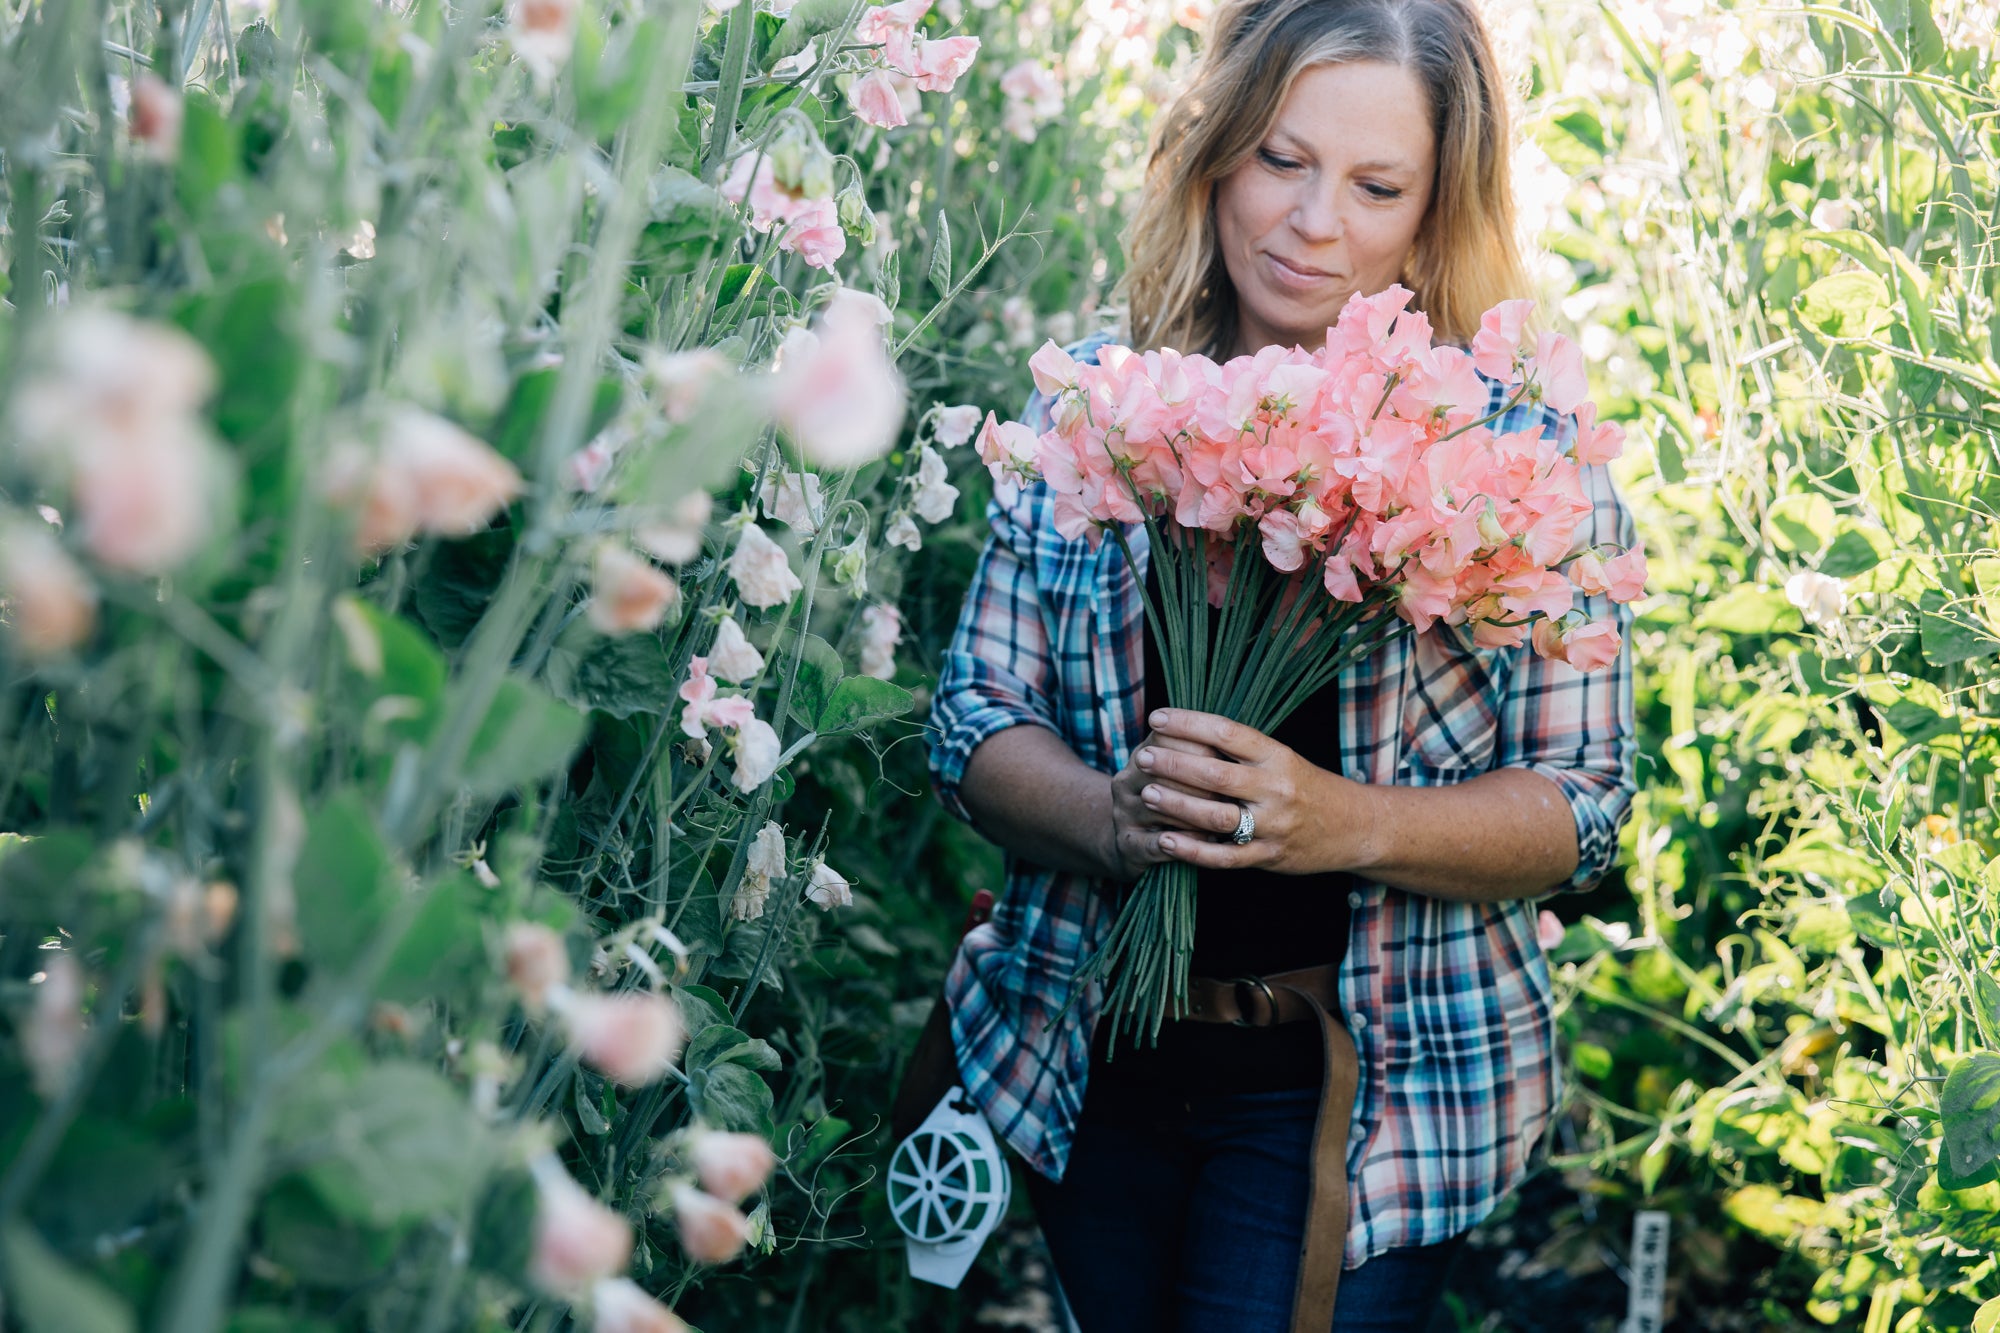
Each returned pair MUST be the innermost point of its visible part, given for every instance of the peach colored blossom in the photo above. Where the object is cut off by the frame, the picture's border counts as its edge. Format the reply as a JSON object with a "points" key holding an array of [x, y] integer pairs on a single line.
{"points": [[542, 33], [730, 1166], [52, 1038], [815, 235], [1497, 347], [711, 1231], [794, 499], [426, 476], [578, 1241], [633, 1036], [157, 113], [628, 593], [50, 603], [1597, 442], [619, 1306], [1549, 931], [537, 962], [698, 693], [879, 23]]}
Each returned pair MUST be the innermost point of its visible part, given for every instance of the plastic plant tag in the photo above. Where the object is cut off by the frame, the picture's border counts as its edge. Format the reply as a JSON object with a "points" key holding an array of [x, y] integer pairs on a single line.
{"points": [[948, 1190]]}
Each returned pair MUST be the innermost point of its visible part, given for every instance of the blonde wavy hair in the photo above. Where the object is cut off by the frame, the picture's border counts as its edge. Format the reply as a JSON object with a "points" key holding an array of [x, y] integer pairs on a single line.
{"points": [[1176, 291]]}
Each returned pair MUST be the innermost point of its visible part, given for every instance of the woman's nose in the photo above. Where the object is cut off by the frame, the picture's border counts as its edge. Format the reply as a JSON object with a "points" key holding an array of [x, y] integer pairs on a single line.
{"points": [[1316, 215]]}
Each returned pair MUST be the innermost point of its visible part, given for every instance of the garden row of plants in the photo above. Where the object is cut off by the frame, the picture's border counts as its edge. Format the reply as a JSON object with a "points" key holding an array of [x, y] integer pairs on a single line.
{"points": [[468, 638]]}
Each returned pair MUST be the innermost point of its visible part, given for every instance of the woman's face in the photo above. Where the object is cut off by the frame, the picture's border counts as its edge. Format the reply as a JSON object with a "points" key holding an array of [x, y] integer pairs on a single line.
{"points": [[1330, 202]]}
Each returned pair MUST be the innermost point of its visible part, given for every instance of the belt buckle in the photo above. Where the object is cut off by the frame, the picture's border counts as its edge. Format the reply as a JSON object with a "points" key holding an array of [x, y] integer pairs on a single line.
{"points": [[1241, 1008]]}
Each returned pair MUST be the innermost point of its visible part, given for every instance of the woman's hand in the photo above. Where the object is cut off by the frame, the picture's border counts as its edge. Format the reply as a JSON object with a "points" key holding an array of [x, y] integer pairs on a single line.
{"points": [[1138, 826], [1308, 820]]}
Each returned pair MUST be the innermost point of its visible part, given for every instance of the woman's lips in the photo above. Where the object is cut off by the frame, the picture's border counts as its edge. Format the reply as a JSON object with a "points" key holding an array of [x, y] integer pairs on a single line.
{"points": [[1297, 276]]}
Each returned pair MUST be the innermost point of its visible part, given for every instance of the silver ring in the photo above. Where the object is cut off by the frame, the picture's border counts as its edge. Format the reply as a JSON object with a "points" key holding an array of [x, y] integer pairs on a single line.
{"points": [[1246, 827]]}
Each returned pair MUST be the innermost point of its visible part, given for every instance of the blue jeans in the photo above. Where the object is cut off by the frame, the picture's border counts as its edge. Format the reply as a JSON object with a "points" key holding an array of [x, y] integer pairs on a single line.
{"points": [[1185, 1216]]}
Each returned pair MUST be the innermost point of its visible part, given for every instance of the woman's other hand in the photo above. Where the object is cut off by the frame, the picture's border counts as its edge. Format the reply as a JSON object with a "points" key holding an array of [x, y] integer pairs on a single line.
{"points": [[1138, 825], [1200, 771]]}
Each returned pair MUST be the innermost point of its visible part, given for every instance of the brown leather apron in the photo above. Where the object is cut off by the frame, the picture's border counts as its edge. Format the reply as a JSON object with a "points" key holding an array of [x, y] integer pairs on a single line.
{"points": [[1291, 997]]}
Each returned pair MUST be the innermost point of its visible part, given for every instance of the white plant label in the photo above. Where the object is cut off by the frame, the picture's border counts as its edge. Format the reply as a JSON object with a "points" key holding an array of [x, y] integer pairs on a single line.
{"points": [[1648, 1290]]}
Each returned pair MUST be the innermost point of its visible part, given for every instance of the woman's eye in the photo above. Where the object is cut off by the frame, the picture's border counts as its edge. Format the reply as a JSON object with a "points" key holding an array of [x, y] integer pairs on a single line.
{"points": [[1383, 192], [1271, 159]]}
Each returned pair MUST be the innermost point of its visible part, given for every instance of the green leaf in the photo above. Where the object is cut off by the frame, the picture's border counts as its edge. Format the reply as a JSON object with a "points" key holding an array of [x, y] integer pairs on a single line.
{"points": [[1917, 723], [820, 673], [588, 1116], [701, 1008], [1667, 452], [1845, 305], [1913, 30], [731, 1096], [316, 1246], [1952, 631], [1855, 550], [1584, 128], [940, 269], [617, 674], [392, 1142], [1771, 1213], [526, 735], [1987, 996], [807, 20], [1987, 1320], [1748, 609], [342, 882], [721, 1044], [50, 1296], [395, 675], [1802, 523], [518, 431], [861, 701], [458, 582], [1969, 1114], [210, 153], [442, 956]]}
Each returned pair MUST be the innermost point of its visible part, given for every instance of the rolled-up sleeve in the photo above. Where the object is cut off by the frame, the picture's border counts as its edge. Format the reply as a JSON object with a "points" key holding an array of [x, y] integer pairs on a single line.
{"points": [[1576, 728], [998, 672]]}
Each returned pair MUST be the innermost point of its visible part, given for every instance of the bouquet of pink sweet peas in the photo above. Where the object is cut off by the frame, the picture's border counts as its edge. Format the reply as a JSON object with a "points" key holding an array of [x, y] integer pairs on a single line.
{"points": [[1326, 502]]}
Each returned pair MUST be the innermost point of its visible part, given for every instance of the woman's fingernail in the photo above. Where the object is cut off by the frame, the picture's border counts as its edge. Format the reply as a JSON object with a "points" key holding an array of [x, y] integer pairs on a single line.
{"points": [[1152, 795], [1170, 843], [1159, 718], [1146, 758]]}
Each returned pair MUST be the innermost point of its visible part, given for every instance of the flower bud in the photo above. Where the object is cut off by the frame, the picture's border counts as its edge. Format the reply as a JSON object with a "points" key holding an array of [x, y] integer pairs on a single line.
{"points": [[619, 1306], [828, 888], [627, 593]]}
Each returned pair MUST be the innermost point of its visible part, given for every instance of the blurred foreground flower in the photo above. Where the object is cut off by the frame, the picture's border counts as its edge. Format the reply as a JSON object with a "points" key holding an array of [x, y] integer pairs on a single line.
{"points": [[157, 113], [619, 1306], [676, 539], [54, 1034], [426, 475], [627, 593], [837, 393], [578, 1241], [542, 33], [537, 962], [115, 416], [633, 1036], [1820, 598], [50, 603]]}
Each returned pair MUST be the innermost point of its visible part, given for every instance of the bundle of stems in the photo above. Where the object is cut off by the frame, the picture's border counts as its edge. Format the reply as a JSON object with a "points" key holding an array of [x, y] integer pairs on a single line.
{"points": [[1278, 640]]}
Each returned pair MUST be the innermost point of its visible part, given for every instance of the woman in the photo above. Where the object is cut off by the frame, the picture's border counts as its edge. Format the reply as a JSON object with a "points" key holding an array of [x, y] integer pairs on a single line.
{"points": [[1403, 819]]}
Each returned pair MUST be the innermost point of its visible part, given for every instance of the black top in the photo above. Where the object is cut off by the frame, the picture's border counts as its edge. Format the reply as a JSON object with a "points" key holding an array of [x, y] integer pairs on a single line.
{"points": [[1247, 923]]}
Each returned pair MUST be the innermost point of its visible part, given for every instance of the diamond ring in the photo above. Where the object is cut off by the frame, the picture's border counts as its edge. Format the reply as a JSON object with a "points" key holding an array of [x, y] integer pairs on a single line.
{"points": [[1246, 827]]}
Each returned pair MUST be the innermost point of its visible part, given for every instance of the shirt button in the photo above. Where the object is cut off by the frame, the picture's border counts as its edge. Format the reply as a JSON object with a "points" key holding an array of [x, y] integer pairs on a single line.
{"points": [[1357, 1131], [1359, 1022], [1354, 898]]}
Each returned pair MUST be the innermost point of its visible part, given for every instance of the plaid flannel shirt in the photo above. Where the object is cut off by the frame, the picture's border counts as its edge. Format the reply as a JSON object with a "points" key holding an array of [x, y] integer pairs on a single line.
{"points": [[1449, 1002]]}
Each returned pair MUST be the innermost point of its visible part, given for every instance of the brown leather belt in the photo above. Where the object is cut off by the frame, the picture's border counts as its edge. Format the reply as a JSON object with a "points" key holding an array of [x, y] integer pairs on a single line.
{"points": [[1291, 997]]}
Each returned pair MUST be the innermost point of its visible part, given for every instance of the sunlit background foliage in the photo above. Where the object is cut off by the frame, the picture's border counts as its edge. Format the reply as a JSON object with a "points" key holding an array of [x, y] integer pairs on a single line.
{"points": [[272, 806]]}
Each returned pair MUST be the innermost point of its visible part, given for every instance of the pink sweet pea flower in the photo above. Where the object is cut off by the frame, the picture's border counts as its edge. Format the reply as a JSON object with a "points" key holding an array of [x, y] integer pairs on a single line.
{"points": [[634, 1037], [578, 1241], [837, 393], [876, 101], [1496, 348], [1597, 442], [731, 1166], [711, 1231], [1284, 541], [1053, 368], [1549, 931], [935, 64], [815, 235], [1625, 576], [619, 1306], [697, 692], [882, 22], [1592, 646], [1558, 371]]}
